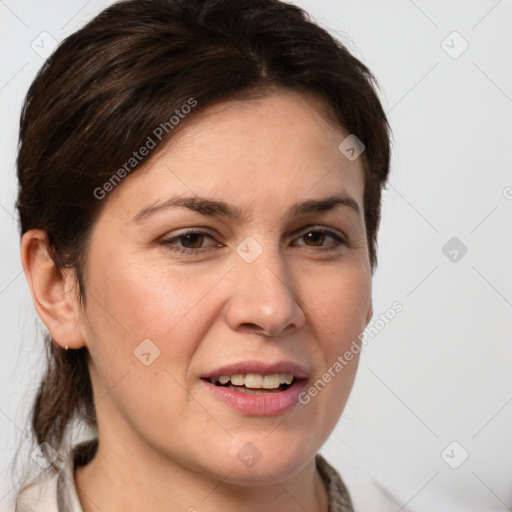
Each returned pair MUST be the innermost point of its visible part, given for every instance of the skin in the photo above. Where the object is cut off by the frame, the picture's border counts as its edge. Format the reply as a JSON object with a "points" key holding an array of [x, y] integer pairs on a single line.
{"points": [[164, 443]]}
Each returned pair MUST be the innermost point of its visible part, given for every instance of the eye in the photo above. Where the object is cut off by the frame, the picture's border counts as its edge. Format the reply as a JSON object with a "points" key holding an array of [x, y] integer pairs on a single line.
{"points": [[192, 240], [318, 236]]}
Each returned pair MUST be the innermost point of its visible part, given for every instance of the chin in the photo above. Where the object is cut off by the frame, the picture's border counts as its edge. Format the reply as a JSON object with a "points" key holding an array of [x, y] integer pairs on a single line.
{"points": [[257, 464]]}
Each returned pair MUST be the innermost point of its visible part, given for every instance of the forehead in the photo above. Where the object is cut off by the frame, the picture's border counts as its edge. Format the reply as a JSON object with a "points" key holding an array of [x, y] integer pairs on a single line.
{"points": [[264, 153]]}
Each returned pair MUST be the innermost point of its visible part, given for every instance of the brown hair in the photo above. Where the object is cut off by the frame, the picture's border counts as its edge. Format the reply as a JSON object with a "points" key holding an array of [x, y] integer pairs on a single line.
{"points": [[105, 89]]}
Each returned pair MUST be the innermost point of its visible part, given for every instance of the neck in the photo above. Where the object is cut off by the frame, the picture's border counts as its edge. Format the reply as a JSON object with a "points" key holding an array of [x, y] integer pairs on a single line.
{"points": [[116, 481]]}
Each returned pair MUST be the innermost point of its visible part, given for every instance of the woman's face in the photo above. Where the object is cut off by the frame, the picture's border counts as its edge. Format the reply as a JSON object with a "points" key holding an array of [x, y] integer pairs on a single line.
{"points": [[266, 287]]}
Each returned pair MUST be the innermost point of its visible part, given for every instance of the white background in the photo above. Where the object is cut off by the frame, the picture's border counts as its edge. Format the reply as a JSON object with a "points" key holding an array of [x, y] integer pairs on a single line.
{"points": [[441, 370]]}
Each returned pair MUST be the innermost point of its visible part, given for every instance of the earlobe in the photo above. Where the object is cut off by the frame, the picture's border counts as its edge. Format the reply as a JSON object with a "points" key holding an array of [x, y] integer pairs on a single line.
{"points": [[53, 291]]}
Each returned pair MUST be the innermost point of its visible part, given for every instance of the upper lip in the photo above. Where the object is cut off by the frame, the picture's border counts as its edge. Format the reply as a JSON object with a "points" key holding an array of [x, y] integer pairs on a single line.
{"points": [[259, 367]]}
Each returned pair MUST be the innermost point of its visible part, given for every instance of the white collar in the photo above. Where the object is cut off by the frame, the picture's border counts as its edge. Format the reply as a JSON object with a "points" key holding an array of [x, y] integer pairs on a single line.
{"points": [[67, 496]]}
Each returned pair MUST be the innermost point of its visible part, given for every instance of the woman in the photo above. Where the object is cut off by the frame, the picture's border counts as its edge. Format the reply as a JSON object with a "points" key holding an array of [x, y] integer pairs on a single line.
{"points": [[199, 195]]}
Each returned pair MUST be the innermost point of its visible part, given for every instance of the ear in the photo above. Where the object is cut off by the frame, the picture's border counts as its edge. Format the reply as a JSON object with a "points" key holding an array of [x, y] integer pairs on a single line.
{"points": [[53, 291]]}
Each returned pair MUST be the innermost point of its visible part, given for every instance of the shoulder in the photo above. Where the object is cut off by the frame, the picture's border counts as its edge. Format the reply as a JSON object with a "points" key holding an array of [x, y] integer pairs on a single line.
{"points": [[339, 497], [58, 493], [41, 496], [353, 490]]}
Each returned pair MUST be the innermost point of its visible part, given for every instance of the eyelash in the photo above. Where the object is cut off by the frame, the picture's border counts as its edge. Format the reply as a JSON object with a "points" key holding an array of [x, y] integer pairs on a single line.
{"points": [[185, 250]]}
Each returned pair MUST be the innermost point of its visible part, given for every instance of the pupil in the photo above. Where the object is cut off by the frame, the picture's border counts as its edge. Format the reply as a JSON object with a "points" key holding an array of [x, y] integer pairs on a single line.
{"points": [[316, 234], [192, 235]]}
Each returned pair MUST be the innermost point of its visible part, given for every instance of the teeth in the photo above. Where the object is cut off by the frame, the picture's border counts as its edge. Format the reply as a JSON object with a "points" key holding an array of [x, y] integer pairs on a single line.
{"points": [[237, 380], [271, 381], [285, 378], [255, 380]]}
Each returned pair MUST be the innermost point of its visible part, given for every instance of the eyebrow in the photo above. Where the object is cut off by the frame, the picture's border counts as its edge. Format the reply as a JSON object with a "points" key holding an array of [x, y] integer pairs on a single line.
{"points": [[218, 208]]}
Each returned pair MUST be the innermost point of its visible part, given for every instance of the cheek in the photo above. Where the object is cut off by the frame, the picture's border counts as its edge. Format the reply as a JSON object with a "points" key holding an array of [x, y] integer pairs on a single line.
{"points": [[338, 306], [339, 301], [148, 299], [130, 303]]}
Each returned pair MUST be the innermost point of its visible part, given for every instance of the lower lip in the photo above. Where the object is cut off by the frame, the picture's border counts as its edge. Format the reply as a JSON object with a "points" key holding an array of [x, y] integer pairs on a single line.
{"points": [[266, 404]]}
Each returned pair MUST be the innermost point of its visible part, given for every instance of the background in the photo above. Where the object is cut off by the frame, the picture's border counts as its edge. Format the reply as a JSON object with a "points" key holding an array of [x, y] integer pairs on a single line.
{"points": [[430, 416]]}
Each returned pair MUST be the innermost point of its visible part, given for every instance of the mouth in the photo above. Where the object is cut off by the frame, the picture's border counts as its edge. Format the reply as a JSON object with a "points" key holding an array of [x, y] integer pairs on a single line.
{"points": [[255, 384], [258, 388]]}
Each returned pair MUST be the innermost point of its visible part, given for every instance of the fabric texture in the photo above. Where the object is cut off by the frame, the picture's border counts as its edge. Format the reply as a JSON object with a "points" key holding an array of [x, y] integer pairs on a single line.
{"points": [[67, 496]]}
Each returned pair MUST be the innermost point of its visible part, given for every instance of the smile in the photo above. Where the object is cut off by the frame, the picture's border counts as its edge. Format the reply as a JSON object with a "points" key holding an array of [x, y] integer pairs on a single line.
{"points": [[250, 382], [257, 401]]}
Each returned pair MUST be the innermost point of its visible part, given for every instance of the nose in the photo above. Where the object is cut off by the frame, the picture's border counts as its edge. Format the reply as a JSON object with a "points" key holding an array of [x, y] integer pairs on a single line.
{"points": [[264, 296]]}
